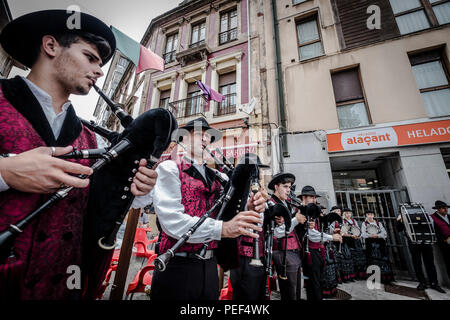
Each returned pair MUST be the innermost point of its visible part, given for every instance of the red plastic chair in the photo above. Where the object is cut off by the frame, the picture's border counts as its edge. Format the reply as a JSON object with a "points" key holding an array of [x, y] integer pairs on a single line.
{"points": [[141, 243], [142, 278], [112, 267], [227, 293]]}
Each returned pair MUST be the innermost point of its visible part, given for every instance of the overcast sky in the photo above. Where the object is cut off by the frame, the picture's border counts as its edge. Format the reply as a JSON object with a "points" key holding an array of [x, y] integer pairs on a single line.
{"points": [[129, 16]]}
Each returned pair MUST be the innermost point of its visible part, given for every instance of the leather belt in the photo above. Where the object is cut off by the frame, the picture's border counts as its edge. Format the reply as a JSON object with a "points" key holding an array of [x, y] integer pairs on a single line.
{"points": [[209, 254]]}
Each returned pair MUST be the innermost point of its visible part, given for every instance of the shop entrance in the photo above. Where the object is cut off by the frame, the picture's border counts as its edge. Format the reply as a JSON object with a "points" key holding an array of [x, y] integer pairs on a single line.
{"points": [[369, 182]]}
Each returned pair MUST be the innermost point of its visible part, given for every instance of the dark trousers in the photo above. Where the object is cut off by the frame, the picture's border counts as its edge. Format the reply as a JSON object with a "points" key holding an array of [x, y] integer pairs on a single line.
{"points": [[425, 252], [314, 272], [248, 282], [186, 279], [290, 289], [445, 250]]}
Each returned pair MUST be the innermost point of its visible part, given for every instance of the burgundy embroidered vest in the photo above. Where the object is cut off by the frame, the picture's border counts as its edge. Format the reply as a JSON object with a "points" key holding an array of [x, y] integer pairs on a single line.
{"points": [[196, 199], [441, 227], [292, 240], [245, 245], [52, 242]]}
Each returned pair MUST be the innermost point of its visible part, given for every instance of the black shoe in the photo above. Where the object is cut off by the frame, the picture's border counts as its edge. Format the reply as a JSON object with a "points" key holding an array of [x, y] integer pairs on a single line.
{"points": [[437, 288], [421, 286]]}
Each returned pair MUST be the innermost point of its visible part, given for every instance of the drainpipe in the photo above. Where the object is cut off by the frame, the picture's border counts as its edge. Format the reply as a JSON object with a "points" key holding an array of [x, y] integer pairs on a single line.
{"points": [[281, 108]]}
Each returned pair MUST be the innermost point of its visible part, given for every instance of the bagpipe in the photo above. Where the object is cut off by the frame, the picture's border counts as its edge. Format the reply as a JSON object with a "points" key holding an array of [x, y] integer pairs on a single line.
{"points": [[231, 201], [147, 136]]}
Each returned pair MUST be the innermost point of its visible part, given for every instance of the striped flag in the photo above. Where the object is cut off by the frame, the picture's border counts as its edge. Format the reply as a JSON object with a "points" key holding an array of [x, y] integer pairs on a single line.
{"points": [[141, 57]]}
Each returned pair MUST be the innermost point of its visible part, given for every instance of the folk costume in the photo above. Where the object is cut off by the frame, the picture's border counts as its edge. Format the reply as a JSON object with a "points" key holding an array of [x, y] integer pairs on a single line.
{"points": [[376, 251], [184, 191], [42, 253]]}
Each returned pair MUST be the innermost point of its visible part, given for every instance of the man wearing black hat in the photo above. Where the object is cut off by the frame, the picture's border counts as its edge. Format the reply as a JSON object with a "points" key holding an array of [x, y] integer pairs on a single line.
{"points": [[419, 252], [38, 122], [315, 251], [186, 189], [290, 282], [442, 228]]}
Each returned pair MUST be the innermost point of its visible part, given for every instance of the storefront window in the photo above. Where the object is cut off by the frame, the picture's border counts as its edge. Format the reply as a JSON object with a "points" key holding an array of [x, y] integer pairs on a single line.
{"points": [[355, 180]]}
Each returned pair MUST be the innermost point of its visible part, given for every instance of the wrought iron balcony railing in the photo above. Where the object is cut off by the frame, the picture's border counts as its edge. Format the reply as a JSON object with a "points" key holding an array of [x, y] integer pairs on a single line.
{"points": [[197, 44], [228, 36], [227, 106], [188, 107], [169, 56]]}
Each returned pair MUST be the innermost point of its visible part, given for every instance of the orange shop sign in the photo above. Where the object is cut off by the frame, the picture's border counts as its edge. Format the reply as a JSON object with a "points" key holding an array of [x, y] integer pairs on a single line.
{"points": [[401, 135]]}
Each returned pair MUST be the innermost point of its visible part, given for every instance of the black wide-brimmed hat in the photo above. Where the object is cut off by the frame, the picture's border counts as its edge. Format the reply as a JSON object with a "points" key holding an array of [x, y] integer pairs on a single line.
{"points": [[335, 207], [347, 210], [308, 191], [199, 124], [252, 158], [440, 204], [25, 32], [278, 178]]}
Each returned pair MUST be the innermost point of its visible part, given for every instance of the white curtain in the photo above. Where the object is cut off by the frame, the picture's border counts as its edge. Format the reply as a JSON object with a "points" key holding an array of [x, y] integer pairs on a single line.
{"points": [[404, 5], [412, 22], [311, 51], [430, 74], [442, 12], [352, 115], [307, 31], [437, 102]]}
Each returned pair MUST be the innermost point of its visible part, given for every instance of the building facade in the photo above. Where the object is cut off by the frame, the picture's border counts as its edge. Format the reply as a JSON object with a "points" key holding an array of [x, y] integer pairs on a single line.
{"points": [[366, 103], [207, 41]]}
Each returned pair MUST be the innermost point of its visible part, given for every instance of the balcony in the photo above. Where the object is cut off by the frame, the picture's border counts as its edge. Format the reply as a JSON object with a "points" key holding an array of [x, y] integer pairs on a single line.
{"points": [[169, 56], [227, 106], [188, 107], [196, 52], [227, 36]]}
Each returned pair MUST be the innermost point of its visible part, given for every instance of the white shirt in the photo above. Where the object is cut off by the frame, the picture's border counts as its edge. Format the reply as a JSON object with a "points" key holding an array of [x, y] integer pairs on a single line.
{"points": [[56, 122], [170, 211]]}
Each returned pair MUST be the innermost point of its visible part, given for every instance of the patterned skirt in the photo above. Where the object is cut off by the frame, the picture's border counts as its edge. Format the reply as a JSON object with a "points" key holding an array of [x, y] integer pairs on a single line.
{"points": [[376, 254], [359, 259], [343, 256], [330, 273]]}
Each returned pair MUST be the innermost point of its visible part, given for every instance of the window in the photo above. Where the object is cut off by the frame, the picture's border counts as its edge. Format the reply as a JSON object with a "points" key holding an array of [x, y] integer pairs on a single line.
{"points": [[309, 41], [227, 87], [441, 10], [171, 48], [193, 101], [164, 99], [416, 15], [198, 34], [298, 1], [432, 78], [228, 27], [350, 102]]}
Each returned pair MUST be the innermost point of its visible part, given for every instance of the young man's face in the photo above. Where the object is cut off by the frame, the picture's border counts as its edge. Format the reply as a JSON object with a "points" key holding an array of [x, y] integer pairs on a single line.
{"points": [[443, 211], [309, 199], [77, 67], [370, 216], [282, 190], [196, 141]]}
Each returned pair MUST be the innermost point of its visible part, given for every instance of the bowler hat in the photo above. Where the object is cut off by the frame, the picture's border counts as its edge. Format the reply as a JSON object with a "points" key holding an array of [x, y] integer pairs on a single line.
{"points": [[309, 191], [278, 178], [440, 204], [27, 31], [335, 208]]}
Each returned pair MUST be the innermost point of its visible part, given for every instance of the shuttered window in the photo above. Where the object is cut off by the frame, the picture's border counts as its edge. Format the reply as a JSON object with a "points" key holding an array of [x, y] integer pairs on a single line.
{"points": [[350, 101]]}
